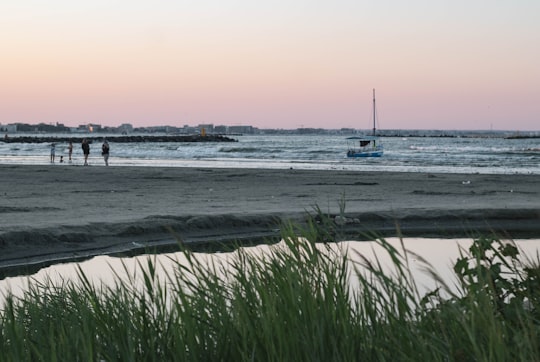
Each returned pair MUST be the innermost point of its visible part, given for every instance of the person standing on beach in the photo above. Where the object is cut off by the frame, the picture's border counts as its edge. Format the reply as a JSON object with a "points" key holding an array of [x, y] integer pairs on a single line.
{"points": [[53, 151], [70, 150], [86, 150], [105, 152]]}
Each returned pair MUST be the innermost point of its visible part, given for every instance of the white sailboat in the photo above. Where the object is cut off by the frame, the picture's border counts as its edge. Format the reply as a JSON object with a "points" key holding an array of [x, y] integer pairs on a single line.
{"points": [[366, 146]]}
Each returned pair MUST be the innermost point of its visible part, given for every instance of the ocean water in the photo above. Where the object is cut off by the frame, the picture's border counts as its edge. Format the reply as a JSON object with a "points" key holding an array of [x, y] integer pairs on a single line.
{"points": [[324, 152]]}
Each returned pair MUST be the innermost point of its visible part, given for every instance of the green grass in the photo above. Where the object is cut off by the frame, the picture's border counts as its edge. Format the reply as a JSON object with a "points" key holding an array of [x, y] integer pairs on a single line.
{"points": [[292, 304]]}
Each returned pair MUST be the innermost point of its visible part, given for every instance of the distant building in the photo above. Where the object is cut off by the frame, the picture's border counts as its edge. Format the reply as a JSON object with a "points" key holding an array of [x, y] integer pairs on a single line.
{"points": [[125, 128], [208, 128], [9, 128], [92, 127], [220, 129], [347, 130], [88, 128], [310, 130], [240, 130]]}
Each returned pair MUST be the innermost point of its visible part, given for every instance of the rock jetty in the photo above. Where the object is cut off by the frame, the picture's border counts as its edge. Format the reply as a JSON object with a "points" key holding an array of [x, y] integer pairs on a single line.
{"points": [[118, 139]]}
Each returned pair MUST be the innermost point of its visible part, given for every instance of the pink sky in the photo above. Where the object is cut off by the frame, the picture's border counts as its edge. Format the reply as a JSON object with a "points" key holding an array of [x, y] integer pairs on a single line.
{"points": [[285, 64]]}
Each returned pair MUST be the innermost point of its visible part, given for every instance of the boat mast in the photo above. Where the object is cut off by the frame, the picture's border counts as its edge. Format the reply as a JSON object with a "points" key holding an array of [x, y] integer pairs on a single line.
{"points": [[374, 111]]}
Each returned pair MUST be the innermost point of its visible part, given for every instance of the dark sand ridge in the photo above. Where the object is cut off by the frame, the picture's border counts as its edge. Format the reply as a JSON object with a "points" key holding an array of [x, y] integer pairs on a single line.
{"points": [[55, 212]]}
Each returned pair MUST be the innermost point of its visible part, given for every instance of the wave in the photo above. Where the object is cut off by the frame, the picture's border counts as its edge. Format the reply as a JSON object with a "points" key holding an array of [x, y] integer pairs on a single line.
{"points": [[321, 152], [240, 150], [248, 150]]}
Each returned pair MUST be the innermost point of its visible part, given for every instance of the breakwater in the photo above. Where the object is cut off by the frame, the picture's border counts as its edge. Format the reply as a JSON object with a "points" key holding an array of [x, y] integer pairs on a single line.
{"points": [[118, 139]]}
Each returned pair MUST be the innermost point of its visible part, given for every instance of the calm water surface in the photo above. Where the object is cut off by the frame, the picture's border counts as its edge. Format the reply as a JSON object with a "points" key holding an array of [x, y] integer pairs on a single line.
{"points": [[440, 253]]}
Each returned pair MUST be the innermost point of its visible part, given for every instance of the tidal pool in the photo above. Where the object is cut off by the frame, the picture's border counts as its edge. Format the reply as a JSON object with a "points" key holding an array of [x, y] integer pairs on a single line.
{"points": [[441, 254]]}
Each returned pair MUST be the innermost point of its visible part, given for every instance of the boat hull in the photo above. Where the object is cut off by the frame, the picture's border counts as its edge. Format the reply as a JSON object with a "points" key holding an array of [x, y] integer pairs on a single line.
{"points": [[364, 154]]}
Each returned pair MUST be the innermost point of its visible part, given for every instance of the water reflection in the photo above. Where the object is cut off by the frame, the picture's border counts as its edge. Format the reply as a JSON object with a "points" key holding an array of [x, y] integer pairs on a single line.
{"points": [[440, 253]]}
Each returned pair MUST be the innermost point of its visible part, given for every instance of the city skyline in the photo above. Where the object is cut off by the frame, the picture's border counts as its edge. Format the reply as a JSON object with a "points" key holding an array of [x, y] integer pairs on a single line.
{"points": [[435, 65]]}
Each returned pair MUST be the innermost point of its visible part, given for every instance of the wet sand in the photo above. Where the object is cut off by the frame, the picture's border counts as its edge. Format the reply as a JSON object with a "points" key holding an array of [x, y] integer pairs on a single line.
{"points": [[59, 212]]}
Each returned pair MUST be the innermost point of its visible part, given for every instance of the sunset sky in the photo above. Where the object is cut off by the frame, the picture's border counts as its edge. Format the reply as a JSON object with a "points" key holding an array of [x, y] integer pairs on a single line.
{"points": [[458, 64]]}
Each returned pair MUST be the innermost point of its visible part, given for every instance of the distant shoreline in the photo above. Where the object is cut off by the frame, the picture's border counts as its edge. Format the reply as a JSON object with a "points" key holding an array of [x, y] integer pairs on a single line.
{"points": [[249, 131]]}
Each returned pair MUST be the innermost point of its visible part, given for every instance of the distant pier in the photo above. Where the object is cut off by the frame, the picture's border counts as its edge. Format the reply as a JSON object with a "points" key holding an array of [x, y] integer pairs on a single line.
{"points": [[118, 139]]}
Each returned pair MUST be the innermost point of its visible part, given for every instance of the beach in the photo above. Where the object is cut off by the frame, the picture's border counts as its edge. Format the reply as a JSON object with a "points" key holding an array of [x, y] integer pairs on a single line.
{"points": [[57, 212]]}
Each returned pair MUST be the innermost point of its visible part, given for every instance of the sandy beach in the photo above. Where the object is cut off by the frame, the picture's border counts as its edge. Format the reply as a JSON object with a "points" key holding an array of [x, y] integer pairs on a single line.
{"points": [[59, 212]]}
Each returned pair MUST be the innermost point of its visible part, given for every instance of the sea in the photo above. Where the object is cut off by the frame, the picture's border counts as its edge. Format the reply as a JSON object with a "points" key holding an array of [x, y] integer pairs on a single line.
{"points": [[430, 154]]}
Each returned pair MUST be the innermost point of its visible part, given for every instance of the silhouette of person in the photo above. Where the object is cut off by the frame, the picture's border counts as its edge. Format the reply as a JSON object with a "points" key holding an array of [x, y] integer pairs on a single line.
{"points": [[70, 150], [86, 150], [105, 152], [53, 151]]}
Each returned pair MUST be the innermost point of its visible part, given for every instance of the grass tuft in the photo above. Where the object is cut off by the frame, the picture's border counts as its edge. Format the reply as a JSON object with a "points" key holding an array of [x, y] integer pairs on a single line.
{"points": [[293, 303]]}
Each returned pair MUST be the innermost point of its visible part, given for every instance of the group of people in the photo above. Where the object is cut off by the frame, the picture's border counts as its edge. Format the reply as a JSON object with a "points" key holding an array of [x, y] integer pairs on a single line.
{"points": [[85, 145]]}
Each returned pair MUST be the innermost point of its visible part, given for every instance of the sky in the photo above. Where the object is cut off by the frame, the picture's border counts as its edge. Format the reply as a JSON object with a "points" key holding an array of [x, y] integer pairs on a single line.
{"points": [[460, 64]]}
